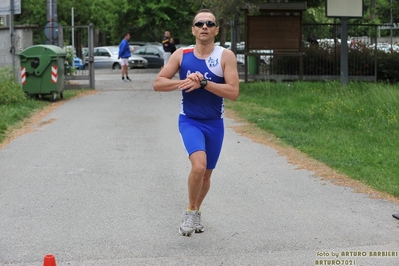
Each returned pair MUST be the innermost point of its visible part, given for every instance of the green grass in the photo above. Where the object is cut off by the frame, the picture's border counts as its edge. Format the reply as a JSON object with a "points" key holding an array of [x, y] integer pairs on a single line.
{"points": [[15, 107], [353, 129], [11, 115]]}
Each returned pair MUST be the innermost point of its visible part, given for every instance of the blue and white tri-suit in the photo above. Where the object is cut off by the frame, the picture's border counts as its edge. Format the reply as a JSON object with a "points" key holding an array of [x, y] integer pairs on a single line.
{"points": [[201, 112]]}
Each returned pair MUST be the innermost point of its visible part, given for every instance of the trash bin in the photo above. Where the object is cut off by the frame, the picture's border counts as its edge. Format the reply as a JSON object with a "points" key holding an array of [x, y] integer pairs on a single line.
{"points": [[42, 70], [253, 65]]}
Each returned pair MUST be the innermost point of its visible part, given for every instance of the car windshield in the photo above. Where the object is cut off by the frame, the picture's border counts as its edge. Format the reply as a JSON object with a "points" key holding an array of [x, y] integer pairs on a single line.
{"points": [[139, 51], [114, 50]]}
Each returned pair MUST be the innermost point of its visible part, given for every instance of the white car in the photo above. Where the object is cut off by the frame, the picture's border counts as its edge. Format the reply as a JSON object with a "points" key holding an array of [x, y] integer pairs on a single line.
{"points": [[107, 57]]}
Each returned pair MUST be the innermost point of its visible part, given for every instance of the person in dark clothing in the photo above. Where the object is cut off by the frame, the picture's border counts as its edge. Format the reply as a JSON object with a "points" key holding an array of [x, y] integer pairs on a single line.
{"points": [[166, 47], [172, 46]]}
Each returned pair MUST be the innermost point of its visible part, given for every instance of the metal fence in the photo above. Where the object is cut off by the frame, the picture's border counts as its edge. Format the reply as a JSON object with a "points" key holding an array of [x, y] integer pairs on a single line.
{"points": [[319, 57], [76, 39]]}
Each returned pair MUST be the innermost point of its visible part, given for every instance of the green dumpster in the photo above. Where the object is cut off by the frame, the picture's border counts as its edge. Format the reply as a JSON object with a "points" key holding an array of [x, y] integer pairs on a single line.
{"points": [[42, 70], [252, 65]]}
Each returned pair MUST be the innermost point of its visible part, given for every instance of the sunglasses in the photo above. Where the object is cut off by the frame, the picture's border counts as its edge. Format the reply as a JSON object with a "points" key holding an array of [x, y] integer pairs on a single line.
{"points": [[208, 23]]}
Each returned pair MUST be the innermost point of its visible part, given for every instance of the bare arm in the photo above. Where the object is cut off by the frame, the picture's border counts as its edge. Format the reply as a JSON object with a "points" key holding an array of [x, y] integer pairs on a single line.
{"points": [[164, 81]]}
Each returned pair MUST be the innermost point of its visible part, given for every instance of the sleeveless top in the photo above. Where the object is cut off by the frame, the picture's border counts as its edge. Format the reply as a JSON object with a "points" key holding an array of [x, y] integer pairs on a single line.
{"points": [[200, 103]]}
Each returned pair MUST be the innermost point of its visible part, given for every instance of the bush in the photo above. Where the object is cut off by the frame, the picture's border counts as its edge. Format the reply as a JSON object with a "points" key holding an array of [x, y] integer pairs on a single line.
{"points": [[70, 54], [387, 67], [10, 91]]}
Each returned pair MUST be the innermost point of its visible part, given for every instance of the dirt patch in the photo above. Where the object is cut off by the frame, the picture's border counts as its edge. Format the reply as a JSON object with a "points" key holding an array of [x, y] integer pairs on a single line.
{"points": [[303, 161], [27, 125]]}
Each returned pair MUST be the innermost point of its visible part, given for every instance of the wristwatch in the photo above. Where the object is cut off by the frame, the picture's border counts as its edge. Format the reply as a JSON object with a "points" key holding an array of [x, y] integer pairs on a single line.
{"points": [[203, 83]]}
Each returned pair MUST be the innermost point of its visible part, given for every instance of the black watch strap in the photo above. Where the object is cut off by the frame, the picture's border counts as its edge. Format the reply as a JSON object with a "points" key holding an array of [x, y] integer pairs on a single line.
{"points": [[203, 83]]}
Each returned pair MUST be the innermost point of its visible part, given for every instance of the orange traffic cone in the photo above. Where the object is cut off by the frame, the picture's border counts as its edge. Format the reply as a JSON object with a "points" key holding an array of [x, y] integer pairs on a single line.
{"points": [[49, 260]]}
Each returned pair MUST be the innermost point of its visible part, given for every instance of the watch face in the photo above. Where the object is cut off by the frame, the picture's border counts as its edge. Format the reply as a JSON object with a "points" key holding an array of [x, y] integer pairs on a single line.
{"points": [[203, 83]]}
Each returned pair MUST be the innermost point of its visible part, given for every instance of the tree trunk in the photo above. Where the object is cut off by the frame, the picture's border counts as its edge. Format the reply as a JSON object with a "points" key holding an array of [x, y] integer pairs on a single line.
{"points": [[372, 16], [372, 9], [222, 32]]}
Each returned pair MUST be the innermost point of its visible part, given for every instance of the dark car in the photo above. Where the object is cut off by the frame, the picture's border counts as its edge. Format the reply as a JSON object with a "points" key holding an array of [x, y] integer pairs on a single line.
{"points": [[153, 54]]}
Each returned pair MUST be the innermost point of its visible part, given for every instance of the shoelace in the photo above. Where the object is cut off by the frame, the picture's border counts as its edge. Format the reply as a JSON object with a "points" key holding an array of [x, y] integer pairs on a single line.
{"points": [[190, 216], [198, 220]]}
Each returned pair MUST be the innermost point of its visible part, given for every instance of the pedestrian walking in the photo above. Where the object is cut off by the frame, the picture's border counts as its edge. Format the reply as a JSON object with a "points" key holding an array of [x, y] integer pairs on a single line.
{"points": [[124, 54], [208, 74]]}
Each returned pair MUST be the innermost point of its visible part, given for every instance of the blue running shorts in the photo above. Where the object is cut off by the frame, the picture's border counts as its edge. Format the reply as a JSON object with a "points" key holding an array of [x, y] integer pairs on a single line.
{"points": [[202, 135]]}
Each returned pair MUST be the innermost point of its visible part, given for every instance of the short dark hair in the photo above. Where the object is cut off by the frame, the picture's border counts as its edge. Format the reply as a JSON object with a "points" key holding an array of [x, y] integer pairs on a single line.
{"points": [[204, 11]]}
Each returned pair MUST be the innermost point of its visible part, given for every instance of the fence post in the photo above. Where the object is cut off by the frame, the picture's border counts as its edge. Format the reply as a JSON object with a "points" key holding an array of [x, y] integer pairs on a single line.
{"points": [[344, 50], [91, 56]]}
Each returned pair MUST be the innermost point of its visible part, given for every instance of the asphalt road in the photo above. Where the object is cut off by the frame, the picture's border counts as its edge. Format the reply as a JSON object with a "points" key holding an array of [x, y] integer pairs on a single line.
{"points": [[102, 182]]}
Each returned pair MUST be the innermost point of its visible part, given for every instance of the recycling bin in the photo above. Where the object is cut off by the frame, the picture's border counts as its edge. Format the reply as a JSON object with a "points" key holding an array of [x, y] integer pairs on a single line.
{"points": [[253, 65], [43, 71]]}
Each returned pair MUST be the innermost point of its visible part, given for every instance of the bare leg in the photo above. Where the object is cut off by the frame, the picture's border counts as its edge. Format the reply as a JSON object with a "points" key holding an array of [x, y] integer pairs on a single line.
{"points": [[196, 178], [206, 184], [124, 70]]}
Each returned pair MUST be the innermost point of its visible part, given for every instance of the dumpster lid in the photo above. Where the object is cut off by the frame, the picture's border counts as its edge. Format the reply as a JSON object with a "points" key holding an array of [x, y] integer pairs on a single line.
{"points": [[39, 50]]}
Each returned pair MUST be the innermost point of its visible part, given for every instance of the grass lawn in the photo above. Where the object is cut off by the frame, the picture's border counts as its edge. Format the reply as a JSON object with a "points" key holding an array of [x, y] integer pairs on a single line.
{"points": [[353, 129]]}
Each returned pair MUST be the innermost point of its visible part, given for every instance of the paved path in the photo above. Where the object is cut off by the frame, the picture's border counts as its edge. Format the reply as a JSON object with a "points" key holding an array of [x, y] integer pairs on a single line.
{"points": [[102, 182]]}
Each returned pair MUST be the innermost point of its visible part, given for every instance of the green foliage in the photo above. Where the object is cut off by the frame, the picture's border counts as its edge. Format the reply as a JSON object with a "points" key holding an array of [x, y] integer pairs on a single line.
{"points": [[354, 129], [14, 106], [387, 70], [152, 19], [383, 10], [147, 20], [10, 91], [70, 55], [13, 113]]}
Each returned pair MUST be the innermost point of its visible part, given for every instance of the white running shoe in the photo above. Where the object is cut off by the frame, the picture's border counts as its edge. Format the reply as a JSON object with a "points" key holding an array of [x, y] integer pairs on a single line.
{"points": [[187, 226], [199, 228]]}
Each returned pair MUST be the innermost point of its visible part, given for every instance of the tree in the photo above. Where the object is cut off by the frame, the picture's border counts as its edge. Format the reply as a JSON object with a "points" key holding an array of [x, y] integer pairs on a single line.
{"points": [[148, 21], [225, 11], [102, 13]]}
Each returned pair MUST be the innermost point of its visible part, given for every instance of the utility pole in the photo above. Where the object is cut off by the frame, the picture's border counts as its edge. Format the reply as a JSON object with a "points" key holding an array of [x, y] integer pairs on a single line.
{"points": [[12, 37], [52, 26]]}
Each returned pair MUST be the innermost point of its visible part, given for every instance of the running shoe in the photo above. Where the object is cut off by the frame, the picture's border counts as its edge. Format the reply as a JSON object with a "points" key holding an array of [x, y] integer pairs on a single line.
{"points": [[199, 228], [187, 226]]}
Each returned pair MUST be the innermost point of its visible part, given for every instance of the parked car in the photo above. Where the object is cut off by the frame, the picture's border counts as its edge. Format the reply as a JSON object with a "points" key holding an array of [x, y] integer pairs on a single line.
{"points": [[78, 63], [107, 57], [153, 54], [138, 43], [182, 45], [85, 51]]}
